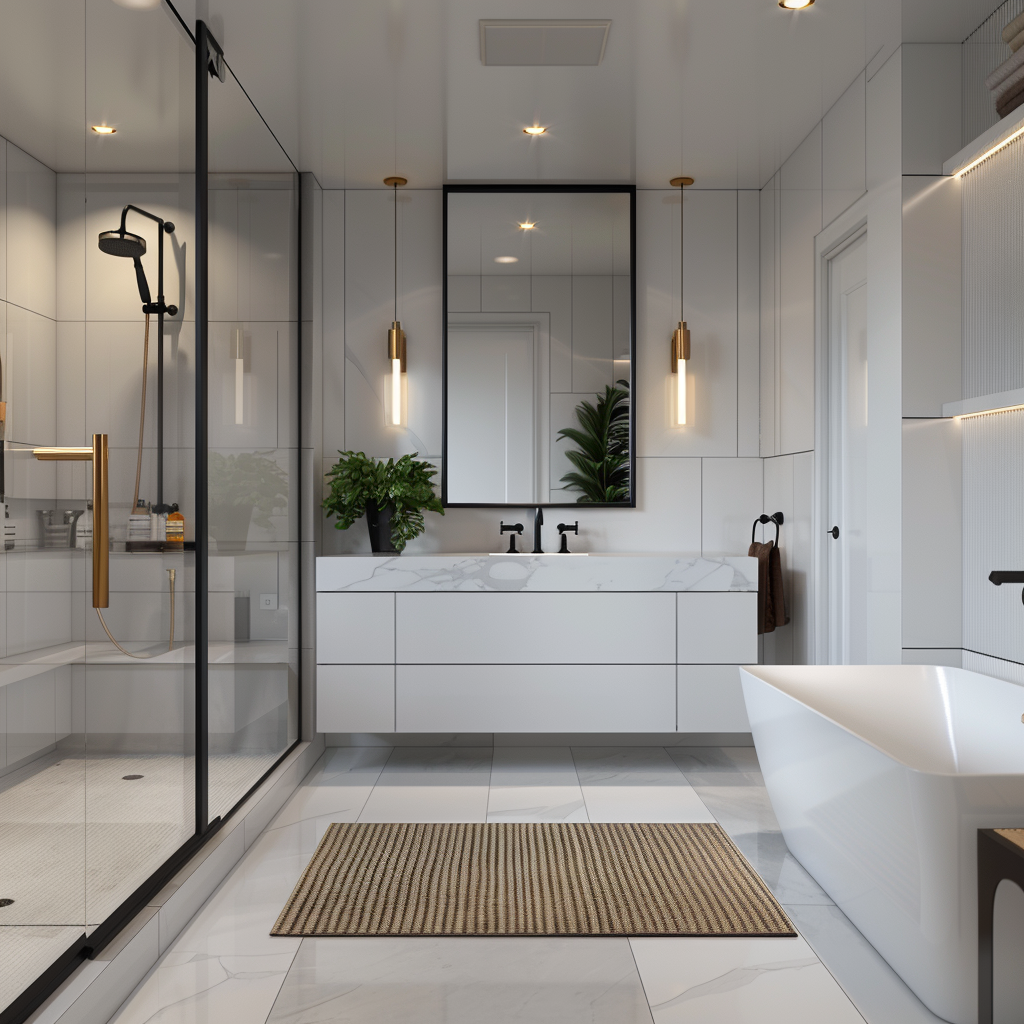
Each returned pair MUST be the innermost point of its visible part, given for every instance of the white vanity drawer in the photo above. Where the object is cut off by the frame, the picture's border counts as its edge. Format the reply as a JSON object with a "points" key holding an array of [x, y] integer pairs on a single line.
{"points": [[355, 698], [710, 699], [355, 629], [536, 698], [717, 628], [542, 628]]}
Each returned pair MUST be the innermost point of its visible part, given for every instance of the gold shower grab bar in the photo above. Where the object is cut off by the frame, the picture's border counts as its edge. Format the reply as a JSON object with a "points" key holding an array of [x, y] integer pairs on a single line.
{"points": [[99, 456]]}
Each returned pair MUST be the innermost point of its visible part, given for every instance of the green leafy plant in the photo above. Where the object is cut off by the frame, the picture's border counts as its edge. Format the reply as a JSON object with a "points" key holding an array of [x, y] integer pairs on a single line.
{"points": [[248, 479], [356, 481], [602, 456]]}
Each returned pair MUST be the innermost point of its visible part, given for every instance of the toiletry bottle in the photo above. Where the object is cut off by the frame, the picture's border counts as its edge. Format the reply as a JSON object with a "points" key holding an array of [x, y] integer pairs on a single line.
{"points": [[83, 537], [175, 530], [8, 529], [138, 523]]}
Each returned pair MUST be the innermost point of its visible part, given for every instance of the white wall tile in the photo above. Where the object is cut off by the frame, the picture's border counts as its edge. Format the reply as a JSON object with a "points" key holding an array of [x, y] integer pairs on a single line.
{"points": [[592, 333], [31, 233], [31, 716], [731, 499], [843, 164], [30, 377], [332, 383], [710, 314], [932, 95], [553, 295], [932, 530], [3, 221], [70, 373], [800, 181], [769, 270], [748, 359], [464, 293], [953, 657], [885, 122], [931, 294], [505, 293], [37, 620], [71, 243]]}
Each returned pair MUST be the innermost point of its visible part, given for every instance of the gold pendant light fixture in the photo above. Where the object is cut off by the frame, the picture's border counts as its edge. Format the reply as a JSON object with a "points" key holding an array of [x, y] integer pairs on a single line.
{"points": [[396, 336], [681, 335]]}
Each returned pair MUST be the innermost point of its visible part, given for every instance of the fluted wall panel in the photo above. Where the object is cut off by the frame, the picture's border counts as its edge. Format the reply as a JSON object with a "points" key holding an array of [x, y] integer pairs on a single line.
{"points": [[993, 468], [993, 272]]}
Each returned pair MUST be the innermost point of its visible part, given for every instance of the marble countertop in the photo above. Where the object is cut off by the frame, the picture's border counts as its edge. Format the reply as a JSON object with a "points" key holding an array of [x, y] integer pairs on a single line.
{"points": [[537, 573]]}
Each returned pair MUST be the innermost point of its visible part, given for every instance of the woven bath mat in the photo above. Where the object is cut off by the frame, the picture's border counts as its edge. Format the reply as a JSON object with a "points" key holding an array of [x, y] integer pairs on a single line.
{"points": [[530, 879]]}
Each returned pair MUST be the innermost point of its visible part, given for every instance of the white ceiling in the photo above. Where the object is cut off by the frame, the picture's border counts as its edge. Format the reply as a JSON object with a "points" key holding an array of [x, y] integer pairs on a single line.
{"points": [[723, 90]]}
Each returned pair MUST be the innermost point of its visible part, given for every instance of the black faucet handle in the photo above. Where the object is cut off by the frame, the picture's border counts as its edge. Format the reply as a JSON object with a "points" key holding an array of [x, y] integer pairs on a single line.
{"points": [[564, 528], [514, 529]]}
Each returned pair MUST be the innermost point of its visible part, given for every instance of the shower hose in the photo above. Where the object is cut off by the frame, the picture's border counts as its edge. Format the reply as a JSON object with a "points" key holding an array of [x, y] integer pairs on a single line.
{"points": [[135, 501]]}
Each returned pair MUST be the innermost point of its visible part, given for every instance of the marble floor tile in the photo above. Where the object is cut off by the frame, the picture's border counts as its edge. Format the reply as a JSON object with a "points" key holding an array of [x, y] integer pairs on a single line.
{"points": [[462, 981], [431, 784], [635, 784], [782, 872], [535, 784], [739, 981], [337, 788], [714, 759], [875, 988]]}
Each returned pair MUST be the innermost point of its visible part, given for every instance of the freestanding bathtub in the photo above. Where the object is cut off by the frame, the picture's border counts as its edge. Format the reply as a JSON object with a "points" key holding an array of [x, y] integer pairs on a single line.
{"points": [[880, 777]]}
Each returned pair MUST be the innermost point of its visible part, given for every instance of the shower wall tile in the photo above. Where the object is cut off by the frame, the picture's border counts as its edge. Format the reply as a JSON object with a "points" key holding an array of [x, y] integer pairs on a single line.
{"points": [[71, 243], [31, 233], [31, 716], [31, 372], [70, 397], [748, 314], [332, 382], [3, 225], [38, 619], [3, 724], [26, 477], [33, 571], [133, 617]]}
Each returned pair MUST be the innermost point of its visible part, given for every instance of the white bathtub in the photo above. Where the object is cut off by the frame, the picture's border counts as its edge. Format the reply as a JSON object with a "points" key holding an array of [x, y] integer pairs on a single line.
{"points": [[880, 777]]}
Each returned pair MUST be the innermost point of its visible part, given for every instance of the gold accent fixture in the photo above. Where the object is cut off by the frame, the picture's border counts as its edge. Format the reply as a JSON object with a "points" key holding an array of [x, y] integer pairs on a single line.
{"points": [[396, 344], [396, 336], [99, 456], [396, 182], [681, 335]]}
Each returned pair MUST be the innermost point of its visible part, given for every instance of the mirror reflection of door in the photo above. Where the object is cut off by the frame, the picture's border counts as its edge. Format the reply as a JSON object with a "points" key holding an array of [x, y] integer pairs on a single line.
{"points": [[848, 443], [493, 419]]}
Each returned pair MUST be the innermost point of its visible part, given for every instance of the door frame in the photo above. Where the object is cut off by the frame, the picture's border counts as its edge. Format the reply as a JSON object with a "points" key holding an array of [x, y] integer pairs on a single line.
{"points": [[827, 243]]}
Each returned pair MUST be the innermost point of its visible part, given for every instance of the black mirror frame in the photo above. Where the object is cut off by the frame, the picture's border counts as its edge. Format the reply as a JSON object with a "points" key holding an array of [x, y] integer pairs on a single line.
{"points": [[498, 189]]}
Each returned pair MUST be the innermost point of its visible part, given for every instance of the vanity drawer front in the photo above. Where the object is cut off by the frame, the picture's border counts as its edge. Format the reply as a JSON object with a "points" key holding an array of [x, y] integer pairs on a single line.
{"points": [[710, 699], [535, 698], [355, 629], [717, 628], [544, 629], [355, 698]]}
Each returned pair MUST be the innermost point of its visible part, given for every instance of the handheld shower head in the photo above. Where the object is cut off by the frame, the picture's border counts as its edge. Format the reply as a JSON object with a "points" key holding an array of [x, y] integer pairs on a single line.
{"points": [[133, 247]]}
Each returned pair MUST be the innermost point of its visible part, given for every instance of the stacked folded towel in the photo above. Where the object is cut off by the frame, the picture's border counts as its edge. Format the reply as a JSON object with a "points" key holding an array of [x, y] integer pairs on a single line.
{"points": [[1007, 81]]}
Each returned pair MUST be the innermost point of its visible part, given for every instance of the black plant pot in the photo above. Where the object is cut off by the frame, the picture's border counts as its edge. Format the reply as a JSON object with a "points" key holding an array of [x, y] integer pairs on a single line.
{"points": [[378, 521]]}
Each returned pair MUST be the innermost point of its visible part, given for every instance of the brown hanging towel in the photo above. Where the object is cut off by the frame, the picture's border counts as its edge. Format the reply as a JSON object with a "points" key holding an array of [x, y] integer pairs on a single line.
{"points": [[762, 553], [776, 596]]}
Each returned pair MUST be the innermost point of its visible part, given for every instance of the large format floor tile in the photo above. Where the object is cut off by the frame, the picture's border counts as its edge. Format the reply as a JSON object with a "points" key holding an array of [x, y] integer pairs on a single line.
{"points": [[739, 981], [431, 784], [463, 981], [635, 784], [535, 784]]}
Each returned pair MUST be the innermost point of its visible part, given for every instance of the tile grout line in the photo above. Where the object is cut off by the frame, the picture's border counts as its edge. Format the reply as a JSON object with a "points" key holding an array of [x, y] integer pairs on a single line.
{"points": [[579, 782]]}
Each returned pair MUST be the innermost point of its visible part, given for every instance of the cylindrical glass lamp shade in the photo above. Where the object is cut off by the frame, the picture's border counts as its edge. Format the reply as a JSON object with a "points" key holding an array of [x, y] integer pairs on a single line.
{"points": [[680, 355], [396, 354]]}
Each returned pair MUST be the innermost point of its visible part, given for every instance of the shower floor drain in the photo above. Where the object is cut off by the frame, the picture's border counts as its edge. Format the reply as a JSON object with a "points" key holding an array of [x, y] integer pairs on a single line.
{"points": [[6, 902], [131, 778]]}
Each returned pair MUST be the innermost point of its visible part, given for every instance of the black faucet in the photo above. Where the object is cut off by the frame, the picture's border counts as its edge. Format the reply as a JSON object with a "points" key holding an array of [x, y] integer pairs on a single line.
{"points": [[538, 522], [514, 529], [563, 529]]}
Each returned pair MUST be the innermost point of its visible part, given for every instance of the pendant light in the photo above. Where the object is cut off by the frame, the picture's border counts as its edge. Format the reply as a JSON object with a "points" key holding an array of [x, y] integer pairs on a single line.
{"points": [[396, 336], [681, 335]]}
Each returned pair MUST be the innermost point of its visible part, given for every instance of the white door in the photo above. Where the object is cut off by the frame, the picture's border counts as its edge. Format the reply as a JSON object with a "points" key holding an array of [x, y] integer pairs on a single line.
{"points": [[492, 422], [847, 455]]}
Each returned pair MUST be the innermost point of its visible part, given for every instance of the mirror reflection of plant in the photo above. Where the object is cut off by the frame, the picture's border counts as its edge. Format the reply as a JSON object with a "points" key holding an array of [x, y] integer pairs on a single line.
{"points": [[357, 480], [248, 478], [602, 459]]}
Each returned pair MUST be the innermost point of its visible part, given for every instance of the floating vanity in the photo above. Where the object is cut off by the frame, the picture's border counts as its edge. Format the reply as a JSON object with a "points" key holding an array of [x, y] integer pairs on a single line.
{"points": [[545, 643]]}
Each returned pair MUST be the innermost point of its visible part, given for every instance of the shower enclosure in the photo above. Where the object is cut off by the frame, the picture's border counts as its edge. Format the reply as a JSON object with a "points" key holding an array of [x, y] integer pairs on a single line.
{"points": [[149, 368]]}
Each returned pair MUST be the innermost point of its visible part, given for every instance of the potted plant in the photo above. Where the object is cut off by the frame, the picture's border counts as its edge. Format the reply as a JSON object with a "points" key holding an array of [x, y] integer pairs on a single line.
{"points": [[602, 459], [246, 487], [393, 496]]}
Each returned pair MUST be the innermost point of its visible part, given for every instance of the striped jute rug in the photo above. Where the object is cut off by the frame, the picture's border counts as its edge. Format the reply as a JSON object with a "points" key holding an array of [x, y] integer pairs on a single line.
{"points": [[530, 879]]}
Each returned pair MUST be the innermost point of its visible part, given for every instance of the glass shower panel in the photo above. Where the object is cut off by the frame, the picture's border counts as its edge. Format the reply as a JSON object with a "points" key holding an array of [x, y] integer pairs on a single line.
{"points": [[253, 448], [133, 379], [42, 772]]}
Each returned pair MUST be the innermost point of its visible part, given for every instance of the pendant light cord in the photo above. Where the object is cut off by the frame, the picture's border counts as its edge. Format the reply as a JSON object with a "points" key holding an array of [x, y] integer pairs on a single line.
{"points": [[394, 189], [682, 256]]}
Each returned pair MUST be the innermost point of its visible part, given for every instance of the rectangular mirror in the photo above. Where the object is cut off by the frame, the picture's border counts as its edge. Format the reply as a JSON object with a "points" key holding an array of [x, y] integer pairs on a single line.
{"points": [[539, 345]]}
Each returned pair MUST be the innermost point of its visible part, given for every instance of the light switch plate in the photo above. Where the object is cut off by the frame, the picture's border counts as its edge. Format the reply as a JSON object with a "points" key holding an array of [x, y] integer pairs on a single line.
{"points": [[268, 602]]}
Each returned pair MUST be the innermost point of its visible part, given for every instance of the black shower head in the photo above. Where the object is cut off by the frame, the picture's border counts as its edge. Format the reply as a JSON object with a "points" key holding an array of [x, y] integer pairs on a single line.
{"points": [[122, 243], [133, 247]]}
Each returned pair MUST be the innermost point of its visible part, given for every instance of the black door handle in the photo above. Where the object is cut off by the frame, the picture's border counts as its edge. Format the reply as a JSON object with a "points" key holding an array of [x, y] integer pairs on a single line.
{"points": [[835, 532]]}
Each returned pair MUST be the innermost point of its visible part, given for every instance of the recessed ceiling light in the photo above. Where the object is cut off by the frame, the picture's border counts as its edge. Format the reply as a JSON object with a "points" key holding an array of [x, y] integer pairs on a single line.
{"points": [[103, 129], [795, 5], [535, 130], [527, 225], [506, 259]]}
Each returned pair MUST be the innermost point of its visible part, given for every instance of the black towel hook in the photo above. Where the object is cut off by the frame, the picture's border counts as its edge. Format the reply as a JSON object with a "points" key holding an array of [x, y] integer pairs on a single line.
{"points": [[762, 520]]}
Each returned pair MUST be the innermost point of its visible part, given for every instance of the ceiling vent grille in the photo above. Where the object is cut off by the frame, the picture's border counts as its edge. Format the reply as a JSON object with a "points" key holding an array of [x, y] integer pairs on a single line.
{"points": [[524, 43]]}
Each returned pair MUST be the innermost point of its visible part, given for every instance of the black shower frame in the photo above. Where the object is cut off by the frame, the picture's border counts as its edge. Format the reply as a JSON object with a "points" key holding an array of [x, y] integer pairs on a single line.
{"points": [[89, 946], [499, 189]]}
